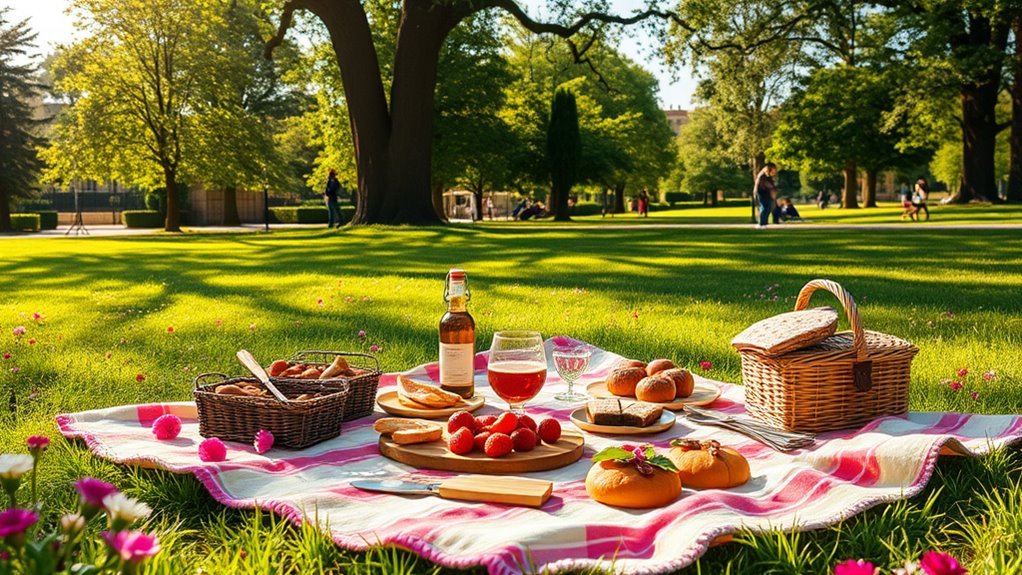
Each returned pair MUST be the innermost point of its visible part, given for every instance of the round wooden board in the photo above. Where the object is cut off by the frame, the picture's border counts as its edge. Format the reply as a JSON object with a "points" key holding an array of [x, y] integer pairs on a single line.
{"points": [[435, 455], [579, 418], [704, 393], [389, 402]]}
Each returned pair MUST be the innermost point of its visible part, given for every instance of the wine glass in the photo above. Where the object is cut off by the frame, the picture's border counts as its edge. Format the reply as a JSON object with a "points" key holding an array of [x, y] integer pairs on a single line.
{"points": [[517, 367], [571, 363]]}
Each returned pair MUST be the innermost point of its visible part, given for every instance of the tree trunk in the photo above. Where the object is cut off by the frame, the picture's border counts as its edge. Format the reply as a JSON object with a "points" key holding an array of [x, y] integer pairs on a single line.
{"points": [[479, 204], [1015, 140], [438, 199], [619, 199], [5, 210], [869, 191], [352, 42], [173, 221], [231, 217], [979, 100], [848, 199]]}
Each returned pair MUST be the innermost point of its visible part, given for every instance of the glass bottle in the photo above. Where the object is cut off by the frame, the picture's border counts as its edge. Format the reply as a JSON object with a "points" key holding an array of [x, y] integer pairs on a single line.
{"points": [[457, 338]]}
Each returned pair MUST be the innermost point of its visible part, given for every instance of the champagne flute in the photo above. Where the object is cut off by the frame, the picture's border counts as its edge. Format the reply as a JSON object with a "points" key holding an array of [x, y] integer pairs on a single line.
{"points": [[571, 363], [517, 367]]}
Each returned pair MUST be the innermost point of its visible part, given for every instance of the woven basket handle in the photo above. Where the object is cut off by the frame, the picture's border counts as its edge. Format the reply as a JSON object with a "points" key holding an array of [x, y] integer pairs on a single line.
{"points": [[863, 367], [200, 379]]}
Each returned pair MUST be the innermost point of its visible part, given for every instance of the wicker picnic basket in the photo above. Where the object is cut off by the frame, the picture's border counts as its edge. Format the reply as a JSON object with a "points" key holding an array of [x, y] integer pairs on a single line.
{"points": [[838, 381], [361, 387], [294, 424]]}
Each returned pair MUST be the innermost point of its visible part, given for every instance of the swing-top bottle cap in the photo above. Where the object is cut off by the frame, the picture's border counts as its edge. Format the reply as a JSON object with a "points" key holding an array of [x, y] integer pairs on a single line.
{"points": [[457, 274]]}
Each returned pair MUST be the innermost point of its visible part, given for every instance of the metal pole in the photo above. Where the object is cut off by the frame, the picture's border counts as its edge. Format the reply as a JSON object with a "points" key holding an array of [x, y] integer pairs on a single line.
{"points": [[266, 207]]}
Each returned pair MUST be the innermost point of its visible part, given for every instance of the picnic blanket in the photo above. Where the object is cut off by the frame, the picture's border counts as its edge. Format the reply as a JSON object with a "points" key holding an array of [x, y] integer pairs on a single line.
{"points": [[843, 474]]}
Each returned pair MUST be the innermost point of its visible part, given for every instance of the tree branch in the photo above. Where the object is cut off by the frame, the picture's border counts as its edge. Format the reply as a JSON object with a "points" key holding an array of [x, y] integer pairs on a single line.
{"points": [[286, 17]]}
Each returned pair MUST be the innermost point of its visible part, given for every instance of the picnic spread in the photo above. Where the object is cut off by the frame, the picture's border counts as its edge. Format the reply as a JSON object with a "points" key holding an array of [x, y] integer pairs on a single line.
{"points": [[652, 466]]}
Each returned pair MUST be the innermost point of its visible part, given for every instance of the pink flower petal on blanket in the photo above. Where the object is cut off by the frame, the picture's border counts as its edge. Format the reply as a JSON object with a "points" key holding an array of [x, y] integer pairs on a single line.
{"points": [[263, 441], [212, 450], [167, 427]]}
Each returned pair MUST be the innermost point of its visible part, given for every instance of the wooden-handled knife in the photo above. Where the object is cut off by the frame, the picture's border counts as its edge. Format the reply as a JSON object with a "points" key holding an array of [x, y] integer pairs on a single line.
{"points": [[484, 488]]}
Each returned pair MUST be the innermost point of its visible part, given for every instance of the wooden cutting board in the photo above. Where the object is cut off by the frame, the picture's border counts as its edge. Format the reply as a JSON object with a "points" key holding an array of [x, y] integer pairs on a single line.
{"points": [[509, 490], [704, 393], [435, 455], [389, 402]]}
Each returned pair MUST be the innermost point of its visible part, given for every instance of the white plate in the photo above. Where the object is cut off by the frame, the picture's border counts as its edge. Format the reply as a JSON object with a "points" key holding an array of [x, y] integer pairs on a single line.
{"points": [[581, 420]]}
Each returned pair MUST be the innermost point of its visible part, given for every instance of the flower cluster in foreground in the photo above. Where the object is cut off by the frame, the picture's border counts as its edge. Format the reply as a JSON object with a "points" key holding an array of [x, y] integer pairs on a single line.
{"points": [[931, 563], [24, 549]]}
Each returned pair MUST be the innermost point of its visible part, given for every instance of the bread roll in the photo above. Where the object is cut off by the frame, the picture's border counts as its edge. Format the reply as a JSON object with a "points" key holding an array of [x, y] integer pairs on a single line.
{"points": [[622, 381], [656, 389], [707, 465], [684, 383], [657, 365], [629, 363], [620, 484]]}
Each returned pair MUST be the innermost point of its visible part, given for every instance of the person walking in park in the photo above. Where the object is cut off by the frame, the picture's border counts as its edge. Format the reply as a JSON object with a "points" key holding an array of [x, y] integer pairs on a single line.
{"points": [[906, 203], [644, 204], [766, 192], [919, 198], [488, 202], [333, 208]]}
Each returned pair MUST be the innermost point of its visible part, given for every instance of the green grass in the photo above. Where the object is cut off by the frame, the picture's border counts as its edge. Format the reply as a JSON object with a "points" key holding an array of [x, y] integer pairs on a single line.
{"points": [[679, 293], [887, 213]]}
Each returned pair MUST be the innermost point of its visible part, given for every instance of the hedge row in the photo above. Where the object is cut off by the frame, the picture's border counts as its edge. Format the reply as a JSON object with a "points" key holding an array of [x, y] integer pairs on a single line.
{"points": [[47, 220], [307, 214], [25, 222], [142, 218], [586, 209]]}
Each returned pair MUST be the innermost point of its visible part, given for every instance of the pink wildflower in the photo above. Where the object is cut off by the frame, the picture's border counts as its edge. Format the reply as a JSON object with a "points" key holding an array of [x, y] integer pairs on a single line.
{"points": [[132, 546], [19, 331], [14, 522], [212, 450], [263, 441], [989, 375], [219, 322], [362, 334], [92, 491], [37, 444], [167, 427], [319, 302], [7, 355], [170, 329], [140, 377], [974, 395], [962, 372], [852, 567], [706, 365], [15, 369], [956, 385], [37, 316], [374, 348], [936, 563]]}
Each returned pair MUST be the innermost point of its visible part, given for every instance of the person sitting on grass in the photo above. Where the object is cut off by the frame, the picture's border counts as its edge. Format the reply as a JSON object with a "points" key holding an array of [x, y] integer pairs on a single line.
{"points": [[788, 211]]}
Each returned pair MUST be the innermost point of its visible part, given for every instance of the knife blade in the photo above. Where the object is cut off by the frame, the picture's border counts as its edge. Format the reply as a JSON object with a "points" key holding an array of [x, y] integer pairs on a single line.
{"points": [[482, 488]]}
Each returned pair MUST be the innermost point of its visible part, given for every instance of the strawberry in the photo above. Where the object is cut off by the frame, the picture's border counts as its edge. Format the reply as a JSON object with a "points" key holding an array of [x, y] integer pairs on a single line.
{"points": [[461, 441], [484, 421], [498, 445], [461, 419], [524, 421], [524, 439], [480, 441], [506, 423], [549, 430]]}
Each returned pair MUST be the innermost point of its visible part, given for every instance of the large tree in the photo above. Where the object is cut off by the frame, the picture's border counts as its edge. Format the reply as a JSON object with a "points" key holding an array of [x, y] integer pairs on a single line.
{"points": [[18, 90], [134, 82], [392, 136]]}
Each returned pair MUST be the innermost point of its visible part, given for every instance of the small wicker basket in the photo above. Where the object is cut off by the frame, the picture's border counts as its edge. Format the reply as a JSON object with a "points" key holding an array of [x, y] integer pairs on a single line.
{"points": [[294, 425], [361, 387], [843, 381]]}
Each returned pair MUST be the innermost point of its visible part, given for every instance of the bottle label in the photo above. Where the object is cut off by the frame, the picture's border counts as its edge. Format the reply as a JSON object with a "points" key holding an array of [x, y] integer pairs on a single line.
{"points": [[457, 363]]}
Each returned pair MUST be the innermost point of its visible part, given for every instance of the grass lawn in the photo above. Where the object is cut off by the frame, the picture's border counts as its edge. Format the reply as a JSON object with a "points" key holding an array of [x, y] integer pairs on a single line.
{"points": [[107, 304], [886, 213]]}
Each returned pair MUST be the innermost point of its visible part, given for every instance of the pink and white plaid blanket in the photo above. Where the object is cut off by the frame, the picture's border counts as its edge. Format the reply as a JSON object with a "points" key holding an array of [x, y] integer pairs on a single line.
{"points": [[843, 474]]}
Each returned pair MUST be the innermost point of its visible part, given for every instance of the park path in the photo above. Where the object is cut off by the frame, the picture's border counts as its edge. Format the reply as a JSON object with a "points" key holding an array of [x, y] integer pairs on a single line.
{"points": [[111, 231]]}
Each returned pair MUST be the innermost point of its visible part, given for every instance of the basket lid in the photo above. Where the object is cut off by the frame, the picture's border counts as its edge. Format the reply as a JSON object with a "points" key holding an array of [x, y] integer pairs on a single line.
{"points": [[788, 331]]}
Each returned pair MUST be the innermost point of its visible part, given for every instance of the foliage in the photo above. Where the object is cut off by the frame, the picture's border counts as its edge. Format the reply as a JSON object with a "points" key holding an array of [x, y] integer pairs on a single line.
{"points": [[564, 150], [19, 91], [142, 218], [704, 165], [300, 215], [26, 222], [47, 220]]}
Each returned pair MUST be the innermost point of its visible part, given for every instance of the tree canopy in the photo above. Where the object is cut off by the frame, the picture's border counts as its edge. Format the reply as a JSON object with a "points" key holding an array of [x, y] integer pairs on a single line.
{"points": [[18, 126]]}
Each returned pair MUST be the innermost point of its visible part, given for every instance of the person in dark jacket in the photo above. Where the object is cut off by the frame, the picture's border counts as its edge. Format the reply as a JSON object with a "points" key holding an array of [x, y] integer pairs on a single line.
{"points": [[333, 208], [766, 193]]}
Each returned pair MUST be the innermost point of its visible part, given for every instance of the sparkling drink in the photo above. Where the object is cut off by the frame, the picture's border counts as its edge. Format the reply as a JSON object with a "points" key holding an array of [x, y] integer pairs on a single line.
{"points": [[571, 363], [517, 381]]}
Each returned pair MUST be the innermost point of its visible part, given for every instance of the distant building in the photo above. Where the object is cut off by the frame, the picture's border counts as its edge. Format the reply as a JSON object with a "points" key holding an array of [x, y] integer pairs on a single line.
{"points": [[676, 118]]}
